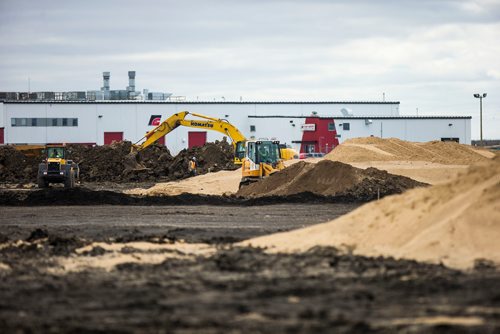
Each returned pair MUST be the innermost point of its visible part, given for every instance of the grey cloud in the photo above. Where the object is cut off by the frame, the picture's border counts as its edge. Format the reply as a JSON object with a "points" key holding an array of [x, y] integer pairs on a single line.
{"points": [[294, 49]]}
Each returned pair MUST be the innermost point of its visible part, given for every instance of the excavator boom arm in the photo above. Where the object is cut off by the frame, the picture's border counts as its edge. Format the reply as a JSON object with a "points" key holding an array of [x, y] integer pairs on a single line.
{"points": [[219, 125], [206, 122], [161, 130]]}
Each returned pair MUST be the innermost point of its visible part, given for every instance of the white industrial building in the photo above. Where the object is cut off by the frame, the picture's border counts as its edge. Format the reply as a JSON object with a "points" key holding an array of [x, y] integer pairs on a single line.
{"points": [[306, 126]]}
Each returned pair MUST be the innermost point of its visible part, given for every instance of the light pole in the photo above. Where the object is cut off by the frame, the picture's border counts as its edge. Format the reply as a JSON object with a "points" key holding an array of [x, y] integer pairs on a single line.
{"points": [[480, 97]]}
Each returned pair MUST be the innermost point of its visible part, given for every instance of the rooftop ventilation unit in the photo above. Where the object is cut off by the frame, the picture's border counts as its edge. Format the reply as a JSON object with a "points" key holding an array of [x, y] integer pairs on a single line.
{"points": [[105, 81], [131, 81]]}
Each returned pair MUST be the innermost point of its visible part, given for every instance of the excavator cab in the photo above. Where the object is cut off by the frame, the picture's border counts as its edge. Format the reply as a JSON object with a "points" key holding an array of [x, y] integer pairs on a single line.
{"points": [[262, 158], [239, 152]]}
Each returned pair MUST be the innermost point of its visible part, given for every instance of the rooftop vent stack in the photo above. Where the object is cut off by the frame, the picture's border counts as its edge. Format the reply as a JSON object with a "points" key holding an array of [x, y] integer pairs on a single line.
{"points": [[105, 81], [131, 81]]}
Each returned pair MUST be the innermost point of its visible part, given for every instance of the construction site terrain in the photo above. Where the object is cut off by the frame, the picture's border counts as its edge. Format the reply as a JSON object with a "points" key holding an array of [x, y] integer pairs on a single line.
{"points": [[380, 235]]}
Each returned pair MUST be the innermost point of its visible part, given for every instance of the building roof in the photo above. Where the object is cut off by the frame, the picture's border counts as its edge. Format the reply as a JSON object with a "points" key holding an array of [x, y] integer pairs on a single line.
{"points": [[365, 117], [200, 102]]}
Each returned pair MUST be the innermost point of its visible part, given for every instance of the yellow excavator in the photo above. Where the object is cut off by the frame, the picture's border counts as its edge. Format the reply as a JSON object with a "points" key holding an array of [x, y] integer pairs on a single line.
{"points": [[206, 122], [259, 158]]}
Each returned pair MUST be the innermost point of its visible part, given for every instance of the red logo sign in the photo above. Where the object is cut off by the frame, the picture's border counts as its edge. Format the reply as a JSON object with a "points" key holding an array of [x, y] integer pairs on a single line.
{"points": [[155, 120]]}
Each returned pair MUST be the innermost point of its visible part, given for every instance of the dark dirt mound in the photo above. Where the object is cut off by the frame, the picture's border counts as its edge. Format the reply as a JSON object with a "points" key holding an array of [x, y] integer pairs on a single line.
{"points": [[115, 163], [37, 235], [84, 196], [330, 178], [211, 157], [15, 167], [108, 162], [244, 290]]}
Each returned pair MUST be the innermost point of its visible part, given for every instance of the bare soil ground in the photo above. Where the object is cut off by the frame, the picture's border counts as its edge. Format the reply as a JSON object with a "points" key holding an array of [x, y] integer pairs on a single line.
{"points": [[193, 223], [166, 285], [99, 258]]}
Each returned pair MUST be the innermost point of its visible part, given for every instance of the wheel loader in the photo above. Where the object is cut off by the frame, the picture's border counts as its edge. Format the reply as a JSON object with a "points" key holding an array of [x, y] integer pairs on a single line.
{"points": [[57, 168]]}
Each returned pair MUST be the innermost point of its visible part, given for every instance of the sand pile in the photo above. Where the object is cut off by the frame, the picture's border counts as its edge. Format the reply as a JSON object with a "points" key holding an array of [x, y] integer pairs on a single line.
{"points": [[393, 149], [454, 223], [330, 178], [218, 183]]}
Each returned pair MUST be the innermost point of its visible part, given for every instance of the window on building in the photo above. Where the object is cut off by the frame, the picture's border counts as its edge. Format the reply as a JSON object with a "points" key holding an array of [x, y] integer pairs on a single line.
{"points": [[331, 126], [44, 122], [346, 126], [252, 128]]}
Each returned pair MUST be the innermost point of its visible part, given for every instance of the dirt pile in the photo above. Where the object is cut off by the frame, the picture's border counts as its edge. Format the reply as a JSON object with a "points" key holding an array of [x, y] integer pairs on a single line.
{"points": [[212, 157], [330, 178], [456, 223], [393, 149], [15, 167], [115, 163]]}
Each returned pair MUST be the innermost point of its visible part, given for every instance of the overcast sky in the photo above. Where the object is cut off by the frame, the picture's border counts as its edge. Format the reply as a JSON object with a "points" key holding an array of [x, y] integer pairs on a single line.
{"points": [[427, 54]]}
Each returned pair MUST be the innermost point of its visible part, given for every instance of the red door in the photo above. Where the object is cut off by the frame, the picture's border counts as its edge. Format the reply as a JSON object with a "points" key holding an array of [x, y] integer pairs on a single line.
{"points": [[196, 138], [110, 137], [1, 136]]}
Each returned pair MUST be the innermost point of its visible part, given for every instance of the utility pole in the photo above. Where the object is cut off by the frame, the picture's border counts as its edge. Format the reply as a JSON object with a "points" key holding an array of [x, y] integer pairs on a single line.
{"points": [[480, 97]]}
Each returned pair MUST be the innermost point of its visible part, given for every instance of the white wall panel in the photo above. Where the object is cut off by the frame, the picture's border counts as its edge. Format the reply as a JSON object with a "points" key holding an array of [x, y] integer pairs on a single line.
{"points": [[132, 119]]}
